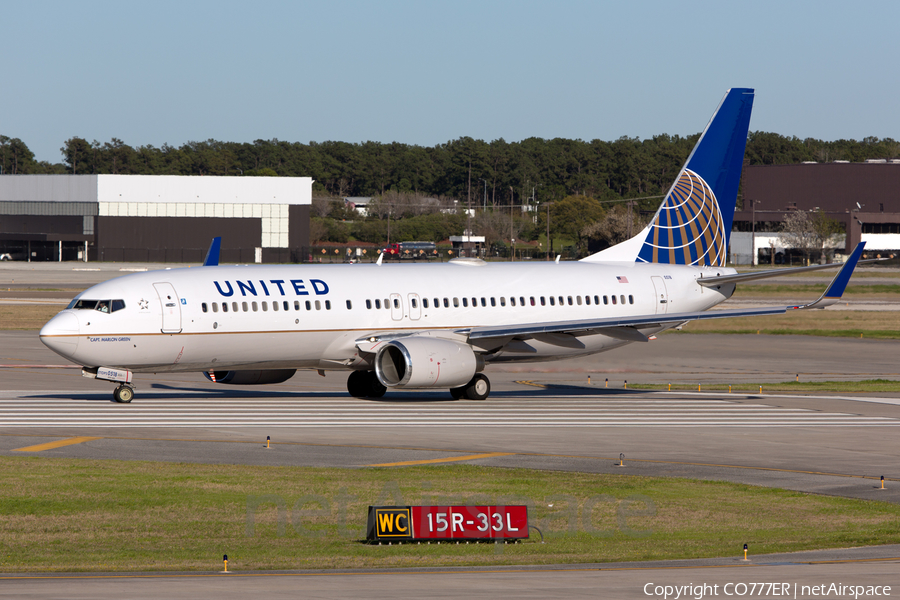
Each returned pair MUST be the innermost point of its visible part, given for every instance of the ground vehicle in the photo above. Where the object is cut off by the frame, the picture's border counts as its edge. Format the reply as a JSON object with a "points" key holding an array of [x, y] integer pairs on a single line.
{"points": [[411, 250]]}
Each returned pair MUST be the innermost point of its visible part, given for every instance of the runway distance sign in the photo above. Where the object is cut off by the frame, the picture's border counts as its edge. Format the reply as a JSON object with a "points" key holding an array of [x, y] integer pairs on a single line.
{"points": [[412, 523]]}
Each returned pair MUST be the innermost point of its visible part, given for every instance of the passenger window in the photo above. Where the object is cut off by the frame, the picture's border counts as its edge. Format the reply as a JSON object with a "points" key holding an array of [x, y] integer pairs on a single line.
{"points": [[570, 300], [543, 301], [318, 305], [424, 302], [552, 301], [512, 300], [622, 298], [587, 300], [605, 299], [296, 305], [614, 299], [532, 301], [474, 302], [561, 301], [630, 299], [502, 301], [265, 306], [255, 307], [466, 302], [308, 305], [446, 303], [244, 306], [377, 303], [349, 305], [437, 302], [369, 304], [493, 301], [203, 307], [484, 302], [274, 306], [577, 300], [215, 307], [413, 303], [286, 305], [224, 307], [456, 303], [596, 299], [328, 305], [521, 300], [396, 303]]}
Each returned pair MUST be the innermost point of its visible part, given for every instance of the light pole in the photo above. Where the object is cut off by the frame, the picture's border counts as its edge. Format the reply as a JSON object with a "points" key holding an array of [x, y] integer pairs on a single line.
{"points": [[753, 233]]}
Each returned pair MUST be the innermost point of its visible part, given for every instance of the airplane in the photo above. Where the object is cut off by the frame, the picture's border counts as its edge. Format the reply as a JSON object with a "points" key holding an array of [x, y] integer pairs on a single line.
{"points": [[430, 326]]}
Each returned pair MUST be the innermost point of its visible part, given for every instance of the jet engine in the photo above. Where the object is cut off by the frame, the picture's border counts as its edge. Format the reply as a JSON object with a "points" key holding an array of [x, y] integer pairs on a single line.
{"points": [[425, 362], [250, 377]]}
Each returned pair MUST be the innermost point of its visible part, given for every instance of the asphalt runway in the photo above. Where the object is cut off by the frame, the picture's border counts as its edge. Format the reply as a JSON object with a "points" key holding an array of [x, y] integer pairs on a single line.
{"points": [[543, 416]]}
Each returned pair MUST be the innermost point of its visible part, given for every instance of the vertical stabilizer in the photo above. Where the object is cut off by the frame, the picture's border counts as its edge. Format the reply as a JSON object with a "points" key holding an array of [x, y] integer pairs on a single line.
{"points": [[693, 224]]}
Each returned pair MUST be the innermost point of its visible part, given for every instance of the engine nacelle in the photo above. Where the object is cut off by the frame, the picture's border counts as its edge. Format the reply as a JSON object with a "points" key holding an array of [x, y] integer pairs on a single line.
{"points": [[251, 377], [426, 362]]}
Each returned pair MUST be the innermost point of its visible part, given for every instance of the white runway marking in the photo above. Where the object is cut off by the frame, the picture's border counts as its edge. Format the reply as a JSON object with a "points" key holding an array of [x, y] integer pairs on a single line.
{"points": [[53, 409]]}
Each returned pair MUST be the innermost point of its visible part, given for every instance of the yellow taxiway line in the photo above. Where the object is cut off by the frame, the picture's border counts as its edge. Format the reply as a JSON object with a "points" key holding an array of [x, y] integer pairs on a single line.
{"points": [[443, 460], [56, 444]]}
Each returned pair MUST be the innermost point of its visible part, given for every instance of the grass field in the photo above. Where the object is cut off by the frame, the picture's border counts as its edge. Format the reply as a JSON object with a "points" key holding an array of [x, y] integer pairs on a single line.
{"points": [[867, 385], [86, 515], [829, 323], [26, 316]]}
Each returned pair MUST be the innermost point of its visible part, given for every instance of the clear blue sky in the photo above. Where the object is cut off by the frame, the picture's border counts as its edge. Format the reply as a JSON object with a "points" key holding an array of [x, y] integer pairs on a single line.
{"points": [[425, 72]]}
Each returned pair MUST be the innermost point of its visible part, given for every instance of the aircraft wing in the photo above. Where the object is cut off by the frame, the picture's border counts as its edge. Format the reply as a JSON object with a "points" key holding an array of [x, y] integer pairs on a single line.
{"points": [[628, 328]]}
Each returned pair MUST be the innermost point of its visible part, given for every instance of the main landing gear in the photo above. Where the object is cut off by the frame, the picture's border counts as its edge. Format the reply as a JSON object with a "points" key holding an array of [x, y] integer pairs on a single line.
{"points": [[365, 384], [479, 388], [123, 394]]}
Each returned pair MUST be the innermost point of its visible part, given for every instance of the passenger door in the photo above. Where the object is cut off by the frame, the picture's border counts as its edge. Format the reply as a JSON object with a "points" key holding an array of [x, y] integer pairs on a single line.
{"points": [[171, 307]]}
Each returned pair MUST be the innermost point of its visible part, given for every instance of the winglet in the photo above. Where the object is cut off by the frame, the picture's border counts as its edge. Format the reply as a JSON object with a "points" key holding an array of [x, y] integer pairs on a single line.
{"points": [[212, 255], [834, 292]]}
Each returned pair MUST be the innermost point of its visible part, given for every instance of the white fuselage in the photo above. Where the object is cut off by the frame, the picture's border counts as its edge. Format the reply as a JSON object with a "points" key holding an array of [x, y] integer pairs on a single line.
{"points": [[312, 316]]}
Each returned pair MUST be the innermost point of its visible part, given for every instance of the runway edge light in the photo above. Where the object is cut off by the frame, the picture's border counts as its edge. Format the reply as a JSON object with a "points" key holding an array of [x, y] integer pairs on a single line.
{"points": [[745, 552], [225, 560]]}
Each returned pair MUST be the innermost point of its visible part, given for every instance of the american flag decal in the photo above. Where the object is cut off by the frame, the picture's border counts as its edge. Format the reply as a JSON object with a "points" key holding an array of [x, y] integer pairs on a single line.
{"points": [[621, 279]]}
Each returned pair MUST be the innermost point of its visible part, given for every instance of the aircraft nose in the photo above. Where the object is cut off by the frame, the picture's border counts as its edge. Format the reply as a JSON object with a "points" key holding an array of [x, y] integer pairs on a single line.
{"points": [[60, 334]]}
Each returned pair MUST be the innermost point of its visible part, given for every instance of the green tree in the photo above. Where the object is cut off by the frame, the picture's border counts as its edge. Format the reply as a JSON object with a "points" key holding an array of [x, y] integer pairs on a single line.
{"points": [[572, 215]]}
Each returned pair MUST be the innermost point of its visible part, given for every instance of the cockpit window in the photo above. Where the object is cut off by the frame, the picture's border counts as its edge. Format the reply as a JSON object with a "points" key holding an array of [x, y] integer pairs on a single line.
{"points": [[85, 305], [104, 306]]}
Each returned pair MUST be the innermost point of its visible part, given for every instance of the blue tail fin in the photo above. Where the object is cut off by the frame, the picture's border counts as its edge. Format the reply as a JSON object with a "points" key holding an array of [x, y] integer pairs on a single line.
{"points": [[693, 224]]}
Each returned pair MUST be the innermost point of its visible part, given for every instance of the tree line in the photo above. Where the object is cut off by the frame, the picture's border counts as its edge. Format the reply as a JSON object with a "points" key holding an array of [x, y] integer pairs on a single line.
{"points": [[492, 173]]}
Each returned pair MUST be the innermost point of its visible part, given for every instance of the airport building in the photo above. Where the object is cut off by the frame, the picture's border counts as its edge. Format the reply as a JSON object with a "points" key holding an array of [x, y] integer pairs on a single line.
{"points": [[151, 218], [863, 197]]}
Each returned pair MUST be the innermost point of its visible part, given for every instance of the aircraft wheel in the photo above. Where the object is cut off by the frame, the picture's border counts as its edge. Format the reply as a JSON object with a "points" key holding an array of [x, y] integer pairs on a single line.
{"points": [[358, 384], [376, 389], [458, 393], [479, 388], [123, 394]]}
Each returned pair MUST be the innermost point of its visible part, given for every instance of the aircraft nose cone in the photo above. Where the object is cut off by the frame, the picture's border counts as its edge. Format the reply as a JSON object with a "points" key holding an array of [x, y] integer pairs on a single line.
{"points": [[60, 334]]}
